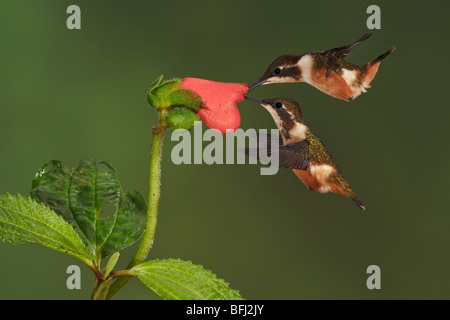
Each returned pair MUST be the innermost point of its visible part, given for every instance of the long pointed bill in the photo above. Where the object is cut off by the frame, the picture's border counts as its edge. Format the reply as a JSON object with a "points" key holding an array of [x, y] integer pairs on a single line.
{"points": [[254, 99], [266, 105], [257, 84]]}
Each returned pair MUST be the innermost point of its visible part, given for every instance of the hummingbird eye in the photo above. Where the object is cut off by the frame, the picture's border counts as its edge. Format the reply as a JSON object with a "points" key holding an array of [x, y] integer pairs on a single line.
{"points": [[277, 71], [278, 105]]}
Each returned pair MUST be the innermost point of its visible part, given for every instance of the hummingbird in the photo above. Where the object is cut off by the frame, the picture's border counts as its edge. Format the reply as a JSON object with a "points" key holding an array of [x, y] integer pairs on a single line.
{"points": [[325, 70], [303, 152]]}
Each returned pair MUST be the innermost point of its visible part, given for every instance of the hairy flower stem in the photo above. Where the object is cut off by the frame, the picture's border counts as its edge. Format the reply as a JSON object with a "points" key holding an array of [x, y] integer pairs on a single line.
{"points": [[153, 201]]}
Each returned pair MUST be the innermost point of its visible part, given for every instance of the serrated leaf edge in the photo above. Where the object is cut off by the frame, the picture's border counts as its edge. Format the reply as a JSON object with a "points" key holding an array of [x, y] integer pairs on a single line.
{"points": [[29, 200], [214, 278]]}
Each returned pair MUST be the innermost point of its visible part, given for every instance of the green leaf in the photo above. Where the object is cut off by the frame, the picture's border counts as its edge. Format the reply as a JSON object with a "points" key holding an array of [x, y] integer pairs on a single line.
{"points": [[22, 219], [125, 227], [111, 264], [175, 279], [81, 194]]}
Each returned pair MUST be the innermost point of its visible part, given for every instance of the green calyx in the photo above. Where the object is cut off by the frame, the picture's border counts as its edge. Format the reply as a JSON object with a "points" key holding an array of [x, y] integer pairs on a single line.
{"points": [[183, 104], [169, 94], [182, 118]]}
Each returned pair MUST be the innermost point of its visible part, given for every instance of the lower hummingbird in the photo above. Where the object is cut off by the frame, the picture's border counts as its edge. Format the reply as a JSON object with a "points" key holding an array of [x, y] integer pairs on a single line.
{"points": [[303, 152], [325, 70]]}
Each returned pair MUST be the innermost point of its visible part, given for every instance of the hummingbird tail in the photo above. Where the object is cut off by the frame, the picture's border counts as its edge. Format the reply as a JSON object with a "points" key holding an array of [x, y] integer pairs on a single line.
{"points": [[354, 44], [352, 196], [358, 203], [381, 57], [372, 68]]}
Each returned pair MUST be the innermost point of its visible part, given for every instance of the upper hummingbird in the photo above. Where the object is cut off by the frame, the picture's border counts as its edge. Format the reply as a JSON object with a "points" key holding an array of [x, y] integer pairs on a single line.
{"points": [[303, 152], [325, 70]]}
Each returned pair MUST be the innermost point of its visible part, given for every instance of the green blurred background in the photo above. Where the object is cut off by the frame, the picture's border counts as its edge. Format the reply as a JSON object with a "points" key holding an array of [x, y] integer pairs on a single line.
{"points": [[77, 94]]}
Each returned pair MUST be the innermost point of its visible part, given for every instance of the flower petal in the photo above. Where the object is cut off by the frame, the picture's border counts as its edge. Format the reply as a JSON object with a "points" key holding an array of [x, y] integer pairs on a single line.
{"points": [[219, 109]]}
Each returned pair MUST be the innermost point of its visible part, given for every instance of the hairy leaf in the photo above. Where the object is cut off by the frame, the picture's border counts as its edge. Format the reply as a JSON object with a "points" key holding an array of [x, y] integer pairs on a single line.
{"points": [[175, 279], [81, 194], [22, 219]]}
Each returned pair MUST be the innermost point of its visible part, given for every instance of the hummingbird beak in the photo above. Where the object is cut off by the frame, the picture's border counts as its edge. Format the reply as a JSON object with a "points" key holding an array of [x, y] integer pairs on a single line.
{"points": [[257, 84], [254, 99]]}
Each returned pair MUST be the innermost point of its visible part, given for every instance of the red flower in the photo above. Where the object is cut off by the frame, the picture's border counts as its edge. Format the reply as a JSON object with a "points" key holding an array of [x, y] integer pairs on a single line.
{"points": [[219, 110]]}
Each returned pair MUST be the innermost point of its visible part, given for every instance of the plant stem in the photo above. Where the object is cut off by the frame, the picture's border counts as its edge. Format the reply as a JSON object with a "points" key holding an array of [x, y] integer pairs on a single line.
{"points": [[101, 290], [120, 273], [97, 272], [153, 201]]}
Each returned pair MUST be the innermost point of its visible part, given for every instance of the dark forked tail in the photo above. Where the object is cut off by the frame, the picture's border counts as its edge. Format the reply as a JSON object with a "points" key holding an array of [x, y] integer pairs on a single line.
{"points": [[381, 57], [349, 47]]}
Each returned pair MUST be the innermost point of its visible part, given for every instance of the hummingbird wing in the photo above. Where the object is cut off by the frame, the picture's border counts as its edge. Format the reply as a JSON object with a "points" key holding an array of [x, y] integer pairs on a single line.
{"points": [[291, 156], [342, 52], [331, 57], [294, 155]]}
